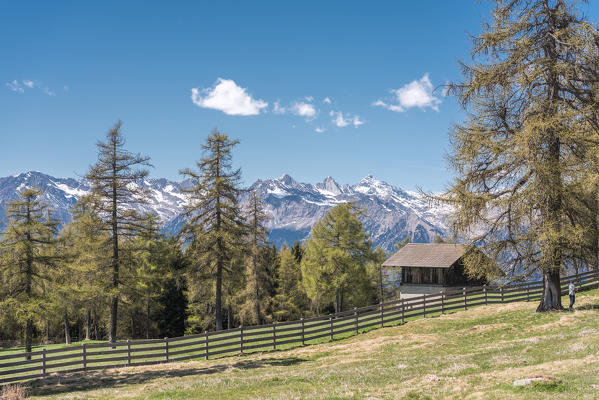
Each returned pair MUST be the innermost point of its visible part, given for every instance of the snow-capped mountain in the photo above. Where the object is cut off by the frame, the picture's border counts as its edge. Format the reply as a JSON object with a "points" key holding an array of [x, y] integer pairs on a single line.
{"points": [[391, 213], [293, 207]]}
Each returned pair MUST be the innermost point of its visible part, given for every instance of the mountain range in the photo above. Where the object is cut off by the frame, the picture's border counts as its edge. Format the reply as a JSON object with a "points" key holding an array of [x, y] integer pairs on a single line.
{"points": [[391, 215]]}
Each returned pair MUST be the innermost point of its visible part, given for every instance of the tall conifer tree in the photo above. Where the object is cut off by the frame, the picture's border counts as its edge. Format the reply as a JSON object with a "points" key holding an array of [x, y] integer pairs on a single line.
{"points": [[256, 271], [522, 155], [115, 180], [27, 258], [215, 223]]}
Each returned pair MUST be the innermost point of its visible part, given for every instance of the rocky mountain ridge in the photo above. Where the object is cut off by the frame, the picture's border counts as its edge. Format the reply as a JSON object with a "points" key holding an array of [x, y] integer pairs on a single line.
{"points": [[293, 207]]}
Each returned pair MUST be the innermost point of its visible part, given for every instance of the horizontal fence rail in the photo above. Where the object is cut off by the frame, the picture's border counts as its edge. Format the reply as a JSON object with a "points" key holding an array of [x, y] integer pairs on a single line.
{"points": [[97, 356]]}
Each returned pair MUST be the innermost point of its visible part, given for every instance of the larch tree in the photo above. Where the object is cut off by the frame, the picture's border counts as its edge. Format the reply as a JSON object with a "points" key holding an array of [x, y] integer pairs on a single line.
{"points": [[116, 183], [290, 298], [334, 262], [86, 269], [27, 258], [215, 224], [524, 152], [256, 274]]}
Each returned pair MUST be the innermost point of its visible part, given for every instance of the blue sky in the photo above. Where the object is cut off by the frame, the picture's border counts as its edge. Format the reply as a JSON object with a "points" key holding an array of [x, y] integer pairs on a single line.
{"points": [[340, 88]]}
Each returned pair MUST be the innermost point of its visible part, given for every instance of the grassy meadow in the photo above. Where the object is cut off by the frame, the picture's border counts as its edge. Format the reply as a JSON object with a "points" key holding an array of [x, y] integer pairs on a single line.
{"points": [[474, 354]]}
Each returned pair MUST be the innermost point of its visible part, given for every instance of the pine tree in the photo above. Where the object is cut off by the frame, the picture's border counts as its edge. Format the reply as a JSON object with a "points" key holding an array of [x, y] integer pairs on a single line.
{"points": [[215, 223], [28, 258], [524, 152], [334, 263], [256, 275], [290, 300], [375, 268], [85, 272], [115, 182]]}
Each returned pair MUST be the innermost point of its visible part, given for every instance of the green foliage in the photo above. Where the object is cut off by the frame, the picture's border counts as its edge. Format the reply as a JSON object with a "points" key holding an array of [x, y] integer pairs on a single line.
{"points": [[115, 186], [254, 297], [334, 262], [527, 151], [376, 271], [291, 302], [214, 229], [28, 259]]}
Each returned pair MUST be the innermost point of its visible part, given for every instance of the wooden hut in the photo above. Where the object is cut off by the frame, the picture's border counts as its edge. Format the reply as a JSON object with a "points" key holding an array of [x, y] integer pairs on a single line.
{"points": [[431, 268]]}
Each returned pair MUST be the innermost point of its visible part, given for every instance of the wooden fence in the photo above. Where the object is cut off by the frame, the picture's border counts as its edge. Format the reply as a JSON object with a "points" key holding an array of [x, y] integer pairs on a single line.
{"points": [[97, 356]]}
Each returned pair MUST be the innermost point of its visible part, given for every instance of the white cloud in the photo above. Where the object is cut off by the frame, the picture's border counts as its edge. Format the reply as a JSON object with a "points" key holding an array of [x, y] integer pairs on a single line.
{"points": [[48, 92], [338, 119], [319, 129], [278, 108], [414, 94], [309, 98], [302, 109], [327, 100], [357, 121], [15, 86], [227, 97], [342, 121]]}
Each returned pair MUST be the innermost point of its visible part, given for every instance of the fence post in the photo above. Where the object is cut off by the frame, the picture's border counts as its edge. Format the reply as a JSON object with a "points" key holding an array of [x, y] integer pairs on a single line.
{"points": [[528, 292], [464, 293], [423, 306], [382, 316], [206, 345], [43, 363], [302, 322], [166, 349], [402, 311], [128, 352], [330, 327], [442, 301], [356, 319], [485, 291], [501, 291], [83, 357], [240, 339]]}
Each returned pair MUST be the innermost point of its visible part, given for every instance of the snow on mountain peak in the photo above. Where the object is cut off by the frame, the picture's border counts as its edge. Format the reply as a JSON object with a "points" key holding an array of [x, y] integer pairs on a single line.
{"points": [[329, 187], [369, 185], [287, 180]]}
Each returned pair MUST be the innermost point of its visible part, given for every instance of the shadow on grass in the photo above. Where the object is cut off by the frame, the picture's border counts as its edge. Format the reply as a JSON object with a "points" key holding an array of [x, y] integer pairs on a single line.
{"points": [[111, 378], [587, 307]]}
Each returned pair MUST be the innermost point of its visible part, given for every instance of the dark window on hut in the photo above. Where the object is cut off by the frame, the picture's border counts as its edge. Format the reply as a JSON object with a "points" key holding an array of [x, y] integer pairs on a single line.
{"points": [[422, 275]]}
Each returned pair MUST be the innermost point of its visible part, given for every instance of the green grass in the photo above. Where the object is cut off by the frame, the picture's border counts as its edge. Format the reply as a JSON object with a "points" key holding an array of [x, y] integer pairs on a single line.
{"points": [[474, 354]]}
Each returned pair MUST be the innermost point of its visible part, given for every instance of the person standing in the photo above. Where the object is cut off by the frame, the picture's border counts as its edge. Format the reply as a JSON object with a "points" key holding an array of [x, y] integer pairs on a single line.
{"points": [[571, 291]]}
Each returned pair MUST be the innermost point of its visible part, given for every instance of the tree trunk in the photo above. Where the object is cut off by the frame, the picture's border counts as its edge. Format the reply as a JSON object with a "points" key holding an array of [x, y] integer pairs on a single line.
{"points": [[96, 333], [552, 297], [256, 297], [229, 317], [113, 315], [218, 305], [28, 335], [148, 317], [46, 332], [115, 252], [88, 321], [67, 328], [132, 321]]}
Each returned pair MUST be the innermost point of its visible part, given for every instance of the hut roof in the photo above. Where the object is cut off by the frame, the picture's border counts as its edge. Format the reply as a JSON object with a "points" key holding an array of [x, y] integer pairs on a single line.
{"points": [[426, 255]]}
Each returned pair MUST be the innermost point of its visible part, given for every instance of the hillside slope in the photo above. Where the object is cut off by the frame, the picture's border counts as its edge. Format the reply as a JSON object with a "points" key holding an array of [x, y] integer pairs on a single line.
{"points": [[474, 354]]}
